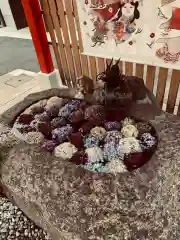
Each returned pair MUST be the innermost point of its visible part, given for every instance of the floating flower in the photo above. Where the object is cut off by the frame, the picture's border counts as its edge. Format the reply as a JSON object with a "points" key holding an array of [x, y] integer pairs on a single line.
{"points": [[77, 140], [95, 113], [79, 158], [55, 101], [86, 127], [111, 151], [127, 121], [52, 110], [65, 150], [77, 116], [25, 119], [96, 167], [113, 136], [95, 155], [49, 145], [143, 127], [129, 145], [148, 141], [91, 141], [35, 124], [58, 122], [67, 109], [45, 129], [112, 125], [135, 160], [129, 131], [61, 134], [43, 117], [98, 132]]}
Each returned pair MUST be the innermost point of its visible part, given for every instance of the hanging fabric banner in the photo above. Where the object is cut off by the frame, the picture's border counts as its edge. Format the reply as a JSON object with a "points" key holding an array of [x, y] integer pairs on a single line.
{"points": [[141, 31]]}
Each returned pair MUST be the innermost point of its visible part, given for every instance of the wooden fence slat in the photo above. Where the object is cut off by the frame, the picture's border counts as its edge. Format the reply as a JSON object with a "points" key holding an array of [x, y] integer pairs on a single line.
{"points": [[140, 70], [173, 91], [121, 66], [72, 30], [129, 69], [161, 87], [92, 61], [63, 23], [83, 57], [151, 70], [49, 24], [101, 65], [54, 16]]}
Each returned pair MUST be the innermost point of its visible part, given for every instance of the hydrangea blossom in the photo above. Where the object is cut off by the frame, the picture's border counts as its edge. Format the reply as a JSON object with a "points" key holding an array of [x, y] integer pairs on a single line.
{"points": [[61, 134]]}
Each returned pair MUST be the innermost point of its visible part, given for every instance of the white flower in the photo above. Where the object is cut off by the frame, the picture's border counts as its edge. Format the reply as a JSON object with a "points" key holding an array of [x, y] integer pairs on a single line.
{"points": [[95, 155], [129, 145], [98, 132], [65, 150], [55, 101], [127, 121], [129, 131]]}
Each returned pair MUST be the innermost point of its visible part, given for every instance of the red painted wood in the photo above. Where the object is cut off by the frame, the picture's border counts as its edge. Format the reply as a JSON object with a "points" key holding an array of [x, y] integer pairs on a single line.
{"points": [[35, 21]]}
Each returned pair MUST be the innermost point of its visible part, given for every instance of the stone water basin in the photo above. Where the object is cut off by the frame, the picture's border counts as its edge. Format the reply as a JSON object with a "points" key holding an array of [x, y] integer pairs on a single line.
{"points": [[70, 202]]}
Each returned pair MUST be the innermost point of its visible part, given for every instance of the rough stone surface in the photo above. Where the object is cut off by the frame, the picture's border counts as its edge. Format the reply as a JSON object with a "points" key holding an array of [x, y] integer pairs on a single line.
{"points": [[74, 204]]}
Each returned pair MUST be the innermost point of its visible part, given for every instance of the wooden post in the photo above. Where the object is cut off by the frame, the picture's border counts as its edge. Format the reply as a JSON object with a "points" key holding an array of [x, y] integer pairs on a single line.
{"points": [[35, 21]]}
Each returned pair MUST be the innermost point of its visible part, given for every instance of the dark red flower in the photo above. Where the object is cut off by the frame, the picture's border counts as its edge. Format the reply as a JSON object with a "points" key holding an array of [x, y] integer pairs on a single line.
{"points": [[86, 127], [45, 129], [79, 158], [25, 119], [135, 160], [77, 116], [77, 140]]}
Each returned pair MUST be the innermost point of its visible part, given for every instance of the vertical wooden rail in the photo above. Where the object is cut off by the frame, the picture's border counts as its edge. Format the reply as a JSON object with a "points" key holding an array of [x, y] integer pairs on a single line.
{"points": [[49, 24], [34, 18], [72, 31], [83, 57], [140, 70], [57, 26], [62, 18], [129, 69], [151, 70], [101, 66], [173, 91], [161, 87]]}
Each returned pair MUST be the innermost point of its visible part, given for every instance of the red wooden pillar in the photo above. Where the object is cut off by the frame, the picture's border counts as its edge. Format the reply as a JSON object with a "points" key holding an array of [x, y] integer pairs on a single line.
{"points": [[35, 21]]}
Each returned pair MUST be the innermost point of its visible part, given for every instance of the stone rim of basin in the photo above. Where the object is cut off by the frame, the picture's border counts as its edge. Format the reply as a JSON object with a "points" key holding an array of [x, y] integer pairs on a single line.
{"points": [[131, 188]]}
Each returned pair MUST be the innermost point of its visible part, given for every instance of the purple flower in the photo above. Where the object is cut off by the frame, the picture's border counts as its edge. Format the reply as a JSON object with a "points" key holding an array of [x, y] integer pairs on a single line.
{"points": [[61, 134], [58, 122], [112, 125], [148, 141], [43, 117], [49, 145], [69, 108], [112, 136]]}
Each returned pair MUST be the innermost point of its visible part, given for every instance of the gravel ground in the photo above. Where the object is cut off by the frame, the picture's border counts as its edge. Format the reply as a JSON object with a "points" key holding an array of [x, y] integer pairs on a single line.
{"points": [[15, 225]]}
